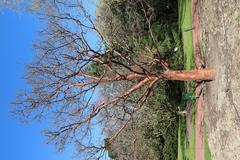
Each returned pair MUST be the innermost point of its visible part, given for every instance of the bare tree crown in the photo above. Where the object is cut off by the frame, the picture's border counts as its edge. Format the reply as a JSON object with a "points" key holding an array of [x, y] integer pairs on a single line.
{"points": [[76, 57]]}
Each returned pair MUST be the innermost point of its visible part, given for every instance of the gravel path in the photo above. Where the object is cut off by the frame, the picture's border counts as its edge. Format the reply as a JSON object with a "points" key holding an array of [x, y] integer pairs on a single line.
{"points": [[220, 24]]}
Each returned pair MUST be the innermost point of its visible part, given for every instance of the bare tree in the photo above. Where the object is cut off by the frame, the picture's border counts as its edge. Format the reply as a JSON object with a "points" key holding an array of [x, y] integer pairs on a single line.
{"points": [[73, 60]]}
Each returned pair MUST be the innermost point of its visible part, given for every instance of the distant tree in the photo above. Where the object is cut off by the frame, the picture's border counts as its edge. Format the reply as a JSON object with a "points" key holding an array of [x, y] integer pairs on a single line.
{"points": [[153, 130], [69, 69], [10, 3], [127, 27]]}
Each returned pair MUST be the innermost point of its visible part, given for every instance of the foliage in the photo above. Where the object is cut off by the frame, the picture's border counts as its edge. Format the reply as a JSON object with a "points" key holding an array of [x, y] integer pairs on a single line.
{"points": [[158, 122], [168, 44], [156, 127], [142, 28], [162, 121], [131, 145]]}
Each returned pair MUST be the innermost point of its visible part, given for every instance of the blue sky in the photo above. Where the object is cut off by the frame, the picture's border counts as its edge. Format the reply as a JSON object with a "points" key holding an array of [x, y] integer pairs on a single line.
{"points": [[19, 141]]}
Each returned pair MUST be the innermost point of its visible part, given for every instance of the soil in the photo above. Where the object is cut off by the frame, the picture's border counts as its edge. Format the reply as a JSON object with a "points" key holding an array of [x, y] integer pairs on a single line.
{"points": [[220, 28], [199, 115]]}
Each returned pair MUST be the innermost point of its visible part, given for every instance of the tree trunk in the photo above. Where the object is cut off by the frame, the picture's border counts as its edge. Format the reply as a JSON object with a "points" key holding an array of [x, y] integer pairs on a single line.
{"points": [[179, 75], [187, 75]]}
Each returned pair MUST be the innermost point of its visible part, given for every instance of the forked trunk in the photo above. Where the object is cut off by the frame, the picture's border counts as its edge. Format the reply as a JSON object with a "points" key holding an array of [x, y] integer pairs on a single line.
{"points": [[179, 75]]}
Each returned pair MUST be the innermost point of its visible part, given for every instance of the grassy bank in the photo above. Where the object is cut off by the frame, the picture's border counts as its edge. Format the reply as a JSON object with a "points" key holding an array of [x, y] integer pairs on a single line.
{"points": [[186, 148]]}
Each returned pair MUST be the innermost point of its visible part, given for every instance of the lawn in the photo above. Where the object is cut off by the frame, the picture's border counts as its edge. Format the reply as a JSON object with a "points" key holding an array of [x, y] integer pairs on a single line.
{"points": [[186, 149]]}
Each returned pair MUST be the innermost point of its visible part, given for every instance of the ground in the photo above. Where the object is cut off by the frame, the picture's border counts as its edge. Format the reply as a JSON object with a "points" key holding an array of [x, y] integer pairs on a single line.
{"points": [[186, 140], [220, 28]]}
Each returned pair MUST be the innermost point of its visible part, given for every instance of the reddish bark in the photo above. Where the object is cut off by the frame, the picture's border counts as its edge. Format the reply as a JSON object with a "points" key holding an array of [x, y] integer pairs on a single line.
{"points": [[180, 75], [186, 75]]}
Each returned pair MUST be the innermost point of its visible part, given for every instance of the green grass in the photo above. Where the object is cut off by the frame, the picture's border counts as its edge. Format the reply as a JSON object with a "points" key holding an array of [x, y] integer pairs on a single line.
{"points": [[185, 22], [181, 139], [186, 151]]}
